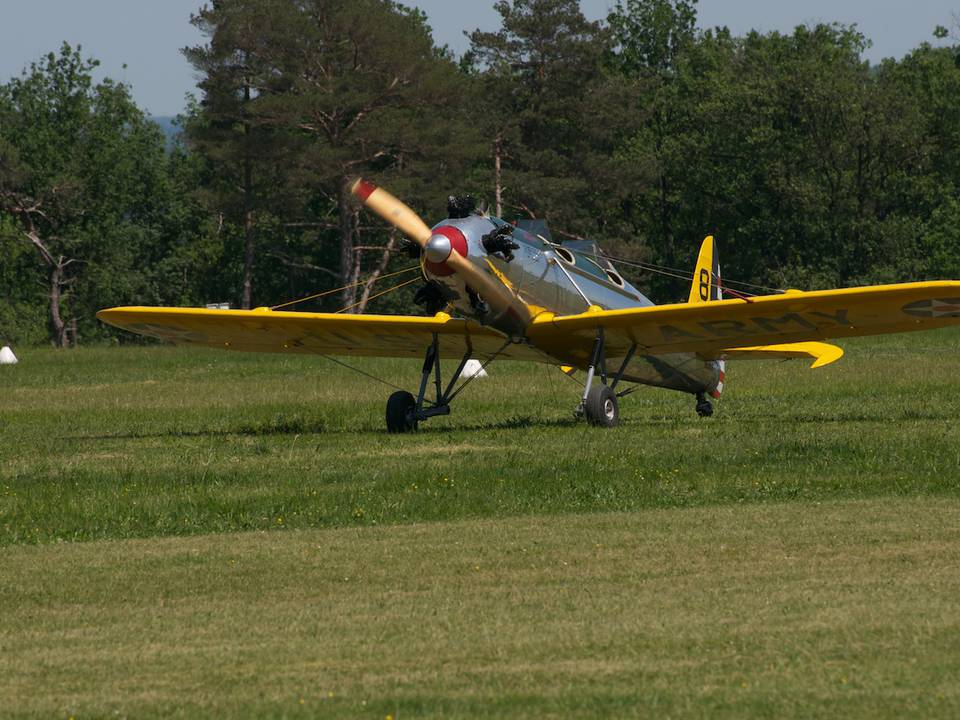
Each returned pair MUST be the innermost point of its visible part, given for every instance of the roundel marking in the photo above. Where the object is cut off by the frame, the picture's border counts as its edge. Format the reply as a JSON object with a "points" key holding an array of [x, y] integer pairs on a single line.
{"points": [[934, 308]]}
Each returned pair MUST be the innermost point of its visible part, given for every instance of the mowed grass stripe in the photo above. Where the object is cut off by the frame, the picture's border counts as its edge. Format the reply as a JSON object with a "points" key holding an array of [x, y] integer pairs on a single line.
{"points": [[833, 609], [150, 441]]}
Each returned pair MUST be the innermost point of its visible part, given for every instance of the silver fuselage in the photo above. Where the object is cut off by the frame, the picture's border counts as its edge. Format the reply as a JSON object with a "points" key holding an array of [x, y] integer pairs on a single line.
{"points": [[563, 280]]}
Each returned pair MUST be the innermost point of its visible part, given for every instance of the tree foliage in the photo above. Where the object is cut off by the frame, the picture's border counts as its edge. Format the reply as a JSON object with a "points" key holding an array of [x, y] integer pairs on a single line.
{"points": [[353, 86], [645, 132], [81, 175]]}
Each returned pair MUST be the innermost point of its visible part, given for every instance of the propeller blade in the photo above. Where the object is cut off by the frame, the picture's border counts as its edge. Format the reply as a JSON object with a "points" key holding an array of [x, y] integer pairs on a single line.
{"points": [[496, 291], [392, 210]]}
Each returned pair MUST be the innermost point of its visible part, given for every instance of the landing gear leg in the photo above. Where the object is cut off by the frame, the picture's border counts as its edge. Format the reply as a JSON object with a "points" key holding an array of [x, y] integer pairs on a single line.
{"points": [[704, 406], [599, 402], [404, 412]]}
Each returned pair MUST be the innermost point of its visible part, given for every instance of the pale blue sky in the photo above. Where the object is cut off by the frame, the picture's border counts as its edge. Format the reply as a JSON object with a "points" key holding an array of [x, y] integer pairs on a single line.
{"points": [[147, 35]]}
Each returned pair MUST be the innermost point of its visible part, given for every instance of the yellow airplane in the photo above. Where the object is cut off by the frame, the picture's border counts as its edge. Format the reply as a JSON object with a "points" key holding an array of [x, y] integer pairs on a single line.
{"points": [[518, 295]]}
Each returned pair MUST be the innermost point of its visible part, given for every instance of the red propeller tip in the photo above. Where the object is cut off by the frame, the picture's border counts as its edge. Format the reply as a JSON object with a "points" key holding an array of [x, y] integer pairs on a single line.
{"points": [[363, 189]]}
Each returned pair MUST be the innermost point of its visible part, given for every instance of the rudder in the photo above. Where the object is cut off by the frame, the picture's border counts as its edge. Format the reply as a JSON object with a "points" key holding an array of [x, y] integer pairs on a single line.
{"points": [[706, 276], [706, 288]]}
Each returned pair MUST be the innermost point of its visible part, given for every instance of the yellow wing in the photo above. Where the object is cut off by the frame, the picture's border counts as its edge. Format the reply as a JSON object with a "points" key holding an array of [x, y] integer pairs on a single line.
{"points": [[730, 326], [263, 330], [724, 328]]}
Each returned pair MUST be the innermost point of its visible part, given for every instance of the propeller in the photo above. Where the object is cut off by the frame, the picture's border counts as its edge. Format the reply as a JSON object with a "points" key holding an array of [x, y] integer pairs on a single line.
{"points": [[444, 249]]}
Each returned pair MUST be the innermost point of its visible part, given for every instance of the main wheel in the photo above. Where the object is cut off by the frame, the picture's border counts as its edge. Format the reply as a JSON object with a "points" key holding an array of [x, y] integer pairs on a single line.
{"points": [[400, 407], [601, 407]]}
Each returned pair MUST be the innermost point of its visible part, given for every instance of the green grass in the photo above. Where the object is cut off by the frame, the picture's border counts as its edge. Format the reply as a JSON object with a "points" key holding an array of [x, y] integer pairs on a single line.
{"points": [[138, 442], [842, 609], [255, 545]]}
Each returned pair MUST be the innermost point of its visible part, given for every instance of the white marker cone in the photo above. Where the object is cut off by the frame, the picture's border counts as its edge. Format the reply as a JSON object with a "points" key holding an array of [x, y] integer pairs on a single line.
{"points": [[7, 357], [474, 368]]}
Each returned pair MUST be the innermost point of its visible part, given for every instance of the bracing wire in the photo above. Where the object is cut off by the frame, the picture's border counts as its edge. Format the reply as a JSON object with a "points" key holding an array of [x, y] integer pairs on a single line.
{"points": [[483, 366], [676, 272], [359, 371], [345, 287], [373, 297], [329, 292]]}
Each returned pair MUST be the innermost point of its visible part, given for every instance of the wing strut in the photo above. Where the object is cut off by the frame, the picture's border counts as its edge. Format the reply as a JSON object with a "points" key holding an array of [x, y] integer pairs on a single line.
{"points": [[599, 403], [404, 412], [623, 368], [483, 366]]}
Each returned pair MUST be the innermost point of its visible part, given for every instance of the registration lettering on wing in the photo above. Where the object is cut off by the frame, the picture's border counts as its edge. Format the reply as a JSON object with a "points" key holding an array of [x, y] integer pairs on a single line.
{"points": [[781, 324]]}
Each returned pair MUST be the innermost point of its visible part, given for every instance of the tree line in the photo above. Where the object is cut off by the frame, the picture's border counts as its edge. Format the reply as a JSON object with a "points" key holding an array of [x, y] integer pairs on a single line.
{"points": [[813, 167]]}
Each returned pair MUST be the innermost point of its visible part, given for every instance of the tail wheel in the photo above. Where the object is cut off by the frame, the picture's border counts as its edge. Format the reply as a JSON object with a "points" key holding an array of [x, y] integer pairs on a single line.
{"points": [[400, 412], [601, 407], [704, 406]]}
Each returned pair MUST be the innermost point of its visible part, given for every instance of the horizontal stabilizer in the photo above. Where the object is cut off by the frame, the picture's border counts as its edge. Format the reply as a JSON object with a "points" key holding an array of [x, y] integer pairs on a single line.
{"points": [[821, 353]]}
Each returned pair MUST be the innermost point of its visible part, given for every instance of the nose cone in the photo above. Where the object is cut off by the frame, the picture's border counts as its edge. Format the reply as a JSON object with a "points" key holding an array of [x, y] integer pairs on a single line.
{"points": [[445, 240], [438, 248]]}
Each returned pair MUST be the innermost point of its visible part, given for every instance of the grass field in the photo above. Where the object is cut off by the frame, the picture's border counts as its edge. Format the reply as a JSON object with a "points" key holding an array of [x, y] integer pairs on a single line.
{"points": [[190, 533]]}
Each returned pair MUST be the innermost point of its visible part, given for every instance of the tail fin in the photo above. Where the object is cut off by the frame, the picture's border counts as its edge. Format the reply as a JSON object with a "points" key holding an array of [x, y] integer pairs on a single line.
{"points": [[706, 277], [706, 287]]}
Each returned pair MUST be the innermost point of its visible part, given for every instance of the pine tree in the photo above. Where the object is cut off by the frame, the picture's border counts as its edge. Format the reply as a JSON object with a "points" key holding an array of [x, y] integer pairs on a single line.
{"points": [[249, 154], [538, 69], [357, 86]]}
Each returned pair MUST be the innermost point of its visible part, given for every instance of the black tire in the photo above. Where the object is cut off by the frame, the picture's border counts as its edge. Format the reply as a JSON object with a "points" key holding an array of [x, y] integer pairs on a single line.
{"points": [[602, 408], [704, 406], [400, 408]]}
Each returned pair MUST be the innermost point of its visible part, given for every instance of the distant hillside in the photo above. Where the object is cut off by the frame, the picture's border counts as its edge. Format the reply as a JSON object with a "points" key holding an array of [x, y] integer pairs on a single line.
{"points": [[170, 129]]}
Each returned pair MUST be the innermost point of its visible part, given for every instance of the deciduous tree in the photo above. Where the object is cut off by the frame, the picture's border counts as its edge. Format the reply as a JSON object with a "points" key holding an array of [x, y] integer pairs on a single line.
{"points": [[79, 164]]}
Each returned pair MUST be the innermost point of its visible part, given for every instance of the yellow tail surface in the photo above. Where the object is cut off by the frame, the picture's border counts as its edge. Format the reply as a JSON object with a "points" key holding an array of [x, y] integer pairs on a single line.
{"points": [[706, 276], [707, 286]]}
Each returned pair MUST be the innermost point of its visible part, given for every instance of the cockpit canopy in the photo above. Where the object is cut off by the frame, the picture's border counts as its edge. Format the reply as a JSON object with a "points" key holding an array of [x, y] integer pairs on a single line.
{"points": [[589, 248]]}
